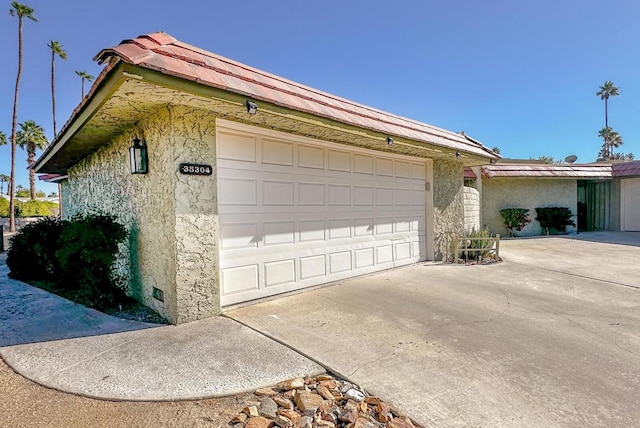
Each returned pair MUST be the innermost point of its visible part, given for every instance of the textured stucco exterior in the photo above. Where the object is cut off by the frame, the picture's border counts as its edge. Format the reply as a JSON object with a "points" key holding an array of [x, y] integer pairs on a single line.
{"points": [[448, 203], [472, 208], [500, 193], [171, 218]]}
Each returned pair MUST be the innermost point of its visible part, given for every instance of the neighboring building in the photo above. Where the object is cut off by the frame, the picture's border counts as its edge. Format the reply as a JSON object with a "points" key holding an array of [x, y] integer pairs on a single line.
{"points": [[305, 187], [601, 195]]}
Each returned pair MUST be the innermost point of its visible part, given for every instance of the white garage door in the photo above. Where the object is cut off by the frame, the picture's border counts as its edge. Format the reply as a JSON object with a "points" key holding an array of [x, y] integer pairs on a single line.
{"points": [[630, 204], [297, 212]]}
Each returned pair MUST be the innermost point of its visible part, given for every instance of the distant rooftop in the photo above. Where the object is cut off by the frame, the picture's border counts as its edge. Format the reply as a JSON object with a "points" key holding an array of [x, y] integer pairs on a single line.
{"points": [[517, 168]]}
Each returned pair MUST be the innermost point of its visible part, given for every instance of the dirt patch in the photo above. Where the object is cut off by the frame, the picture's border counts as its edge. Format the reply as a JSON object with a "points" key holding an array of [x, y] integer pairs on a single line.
{"points": [[27, 404]]}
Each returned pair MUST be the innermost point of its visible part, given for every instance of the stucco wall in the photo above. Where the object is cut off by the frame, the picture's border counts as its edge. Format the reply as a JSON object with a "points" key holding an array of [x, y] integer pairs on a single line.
{"points": [[472, 208], [499, 193], [171, 218], [448, 210]]}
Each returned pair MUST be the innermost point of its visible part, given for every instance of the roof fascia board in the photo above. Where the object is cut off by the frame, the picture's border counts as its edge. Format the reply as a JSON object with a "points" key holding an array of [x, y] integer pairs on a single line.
{"points": [[109, 86]]}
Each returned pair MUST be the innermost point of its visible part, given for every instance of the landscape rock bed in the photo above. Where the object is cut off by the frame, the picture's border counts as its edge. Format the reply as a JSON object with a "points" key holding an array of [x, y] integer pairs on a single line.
{"points": [[319, 402]]}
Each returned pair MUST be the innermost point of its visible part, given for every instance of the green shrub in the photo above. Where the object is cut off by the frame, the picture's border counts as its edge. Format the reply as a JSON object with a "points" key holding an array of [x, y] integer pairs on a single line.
{"points": [[484, 243], [76, 256], [554, 218], [88, 249], [35, 208], [515, 219], [4, 207], [32, 252]]}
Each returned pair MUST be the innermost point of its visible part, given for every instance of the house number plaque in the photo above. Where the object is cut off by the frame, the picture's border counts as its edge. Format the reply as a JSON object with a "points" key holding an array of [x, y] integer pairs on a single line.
{"points": [[195, 169]]}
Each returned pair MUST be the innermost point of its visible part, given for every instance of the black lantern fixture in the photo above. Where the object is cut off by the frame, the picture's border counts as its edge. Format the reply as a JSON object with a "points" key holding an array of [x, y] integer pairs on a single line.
{"points": [[389, 140], [138, 157]]}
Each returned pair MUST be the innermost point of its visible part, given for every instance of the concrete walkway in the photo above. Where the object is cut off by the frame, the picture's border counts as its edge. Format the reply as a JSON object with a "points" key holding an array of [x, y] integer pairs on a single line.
{"points": [[63, 345]]}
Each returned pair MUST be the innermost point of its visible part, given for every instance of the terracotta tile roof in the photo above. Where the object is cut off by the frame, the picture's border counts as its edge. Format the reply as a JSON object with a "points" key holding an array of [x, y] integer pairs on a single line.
{"points": [[163, 53], [519, 170], [626, 169], [468, 173]]}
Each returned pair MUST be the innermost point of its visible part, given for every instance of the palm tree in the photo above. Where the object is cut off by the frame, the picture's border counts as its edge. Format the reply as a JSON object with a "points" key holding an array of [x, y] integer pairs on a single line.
{"points": [[21, 11], [84, 76], [31, 136], [56, 49], [611, 139], [4, 179], [607, 90]]}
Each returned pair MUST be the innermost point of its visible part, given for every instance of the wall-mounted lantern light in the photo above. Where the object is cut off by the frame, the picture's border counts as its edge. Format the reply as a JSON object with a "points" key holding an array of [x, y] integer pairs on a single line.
{"points": [[252, 107], [389, 140], [138, 157], [457, 154]]}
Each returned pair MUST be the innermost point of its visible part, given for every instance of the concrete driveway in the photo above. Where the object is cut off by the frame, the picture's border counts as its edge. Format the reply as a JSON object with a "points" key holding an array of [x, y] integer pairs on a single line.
{"points": [[549, 338]]}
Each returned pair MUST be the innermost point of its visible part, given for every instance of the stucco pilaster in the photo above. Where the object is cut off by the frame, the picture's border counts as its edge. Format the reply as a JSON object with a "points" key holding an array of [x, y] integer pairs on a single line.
{"points": [[448, 208], [196, 216]]}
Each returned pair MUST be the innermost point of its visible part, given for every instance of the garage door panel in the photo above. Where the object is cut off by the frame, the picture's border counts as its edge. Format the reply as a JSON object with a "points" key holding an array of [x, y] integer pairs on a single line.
{"points": [[339, 228], [239, 279], [238, 235], [313, 266], [310, 157], [278, 232], [339, 261], [364, 257], [234, 146], [384, 167], [363, 164], [402, 169], [279, 272], [311, 230], [294, 215], [237, 191], [339, 161], [277, 153]]}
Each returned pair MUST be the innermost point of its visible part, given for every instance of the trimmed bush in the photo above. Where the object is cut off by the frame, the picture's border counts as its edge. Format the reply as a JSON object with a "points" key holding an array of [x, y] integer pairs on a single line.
{"points": [[32, 252], [88, 250], [515, 219], [76, 256], [554, 218]]}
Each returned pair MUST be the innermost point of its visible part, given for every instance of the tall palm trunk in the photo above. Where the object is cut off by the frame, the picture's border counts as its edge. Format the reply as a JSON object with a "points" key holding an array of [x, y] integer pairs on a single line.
{"points": [[82, 84], [53, 91], [14, 124], [31, 158]]}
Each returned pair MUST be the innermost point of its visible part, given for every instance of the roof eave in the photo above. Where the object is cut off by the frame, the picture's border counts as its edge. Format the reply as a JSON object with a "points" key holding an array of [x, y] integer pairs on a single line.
{"points": [[105, 85]]}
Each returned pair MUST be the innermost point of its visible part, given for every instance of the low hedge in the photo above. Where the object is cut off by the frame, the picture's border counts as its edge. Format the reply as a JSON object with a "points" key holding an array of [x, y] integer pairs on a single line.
{"points": [[30, 208]]}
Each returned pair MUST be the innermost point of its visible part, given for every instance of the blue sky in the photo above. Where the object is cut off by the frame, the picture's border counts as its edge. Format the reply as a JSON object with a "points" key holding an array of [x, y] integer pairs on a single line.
{"points": [[518, 75]]}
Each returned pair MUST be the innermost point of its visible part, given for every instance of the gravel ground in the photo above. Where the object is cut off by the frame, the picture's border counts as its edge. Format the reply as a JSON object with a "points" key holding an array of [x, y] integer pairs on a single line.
{"points": [[26, 404]]}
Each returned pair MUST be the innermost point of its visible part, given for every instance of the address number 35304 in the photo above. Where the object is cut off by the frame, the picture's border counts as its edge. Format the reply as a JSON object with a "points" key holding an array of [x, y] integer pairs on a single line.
{"points": [[195, 169]]}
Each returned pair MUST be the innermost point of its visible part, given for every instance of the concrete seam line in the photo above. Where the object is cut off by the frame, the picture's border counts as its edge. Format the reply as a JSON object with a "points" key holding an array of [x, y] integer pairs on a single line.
{"points": [[329, 369], [267, 335], [576, 275]]}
